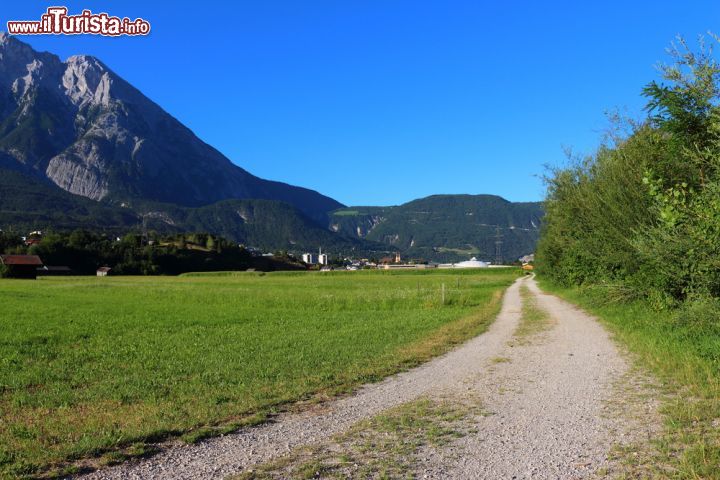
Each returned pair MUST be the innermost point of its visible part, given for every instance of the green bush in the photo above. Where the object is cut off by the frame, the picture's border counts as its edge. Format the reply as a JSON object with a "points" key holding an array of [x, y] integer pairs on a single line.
{"points": [[643, 212]]}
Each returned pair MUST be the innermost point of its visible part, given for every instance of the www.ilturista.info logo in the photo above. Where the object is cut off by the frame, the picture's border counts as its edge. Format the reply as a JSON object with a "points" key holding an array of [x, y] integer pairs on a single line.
{"points": [[57, 22]]}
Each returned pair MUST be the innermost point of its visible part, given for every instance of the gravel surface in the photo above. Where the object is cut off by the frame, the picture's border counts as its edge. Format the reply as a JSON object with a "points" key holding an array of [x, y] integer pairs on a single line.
{"points": [[554, 406], [547, 403]]}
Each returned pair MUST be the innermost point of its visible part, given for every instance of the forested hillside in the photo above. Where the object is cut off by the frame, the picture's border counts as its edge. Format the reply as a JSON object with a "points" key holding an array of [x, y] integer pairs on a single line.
{"points": [[447, 227], [28, 203]]}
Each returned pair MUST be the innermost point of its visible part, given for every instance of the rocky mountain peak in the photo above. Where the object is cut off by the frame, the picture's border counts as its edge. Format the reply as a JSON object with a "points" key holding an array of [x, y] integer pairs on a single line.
{"points": [[87, 80], [82, 127], [84, 78]]}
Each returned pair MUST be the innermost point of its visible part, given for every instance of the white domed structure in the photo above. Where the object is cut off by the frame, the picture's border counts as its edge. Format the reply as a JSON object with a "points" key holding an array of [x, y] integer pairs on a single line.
{"points": [[472, 263]]}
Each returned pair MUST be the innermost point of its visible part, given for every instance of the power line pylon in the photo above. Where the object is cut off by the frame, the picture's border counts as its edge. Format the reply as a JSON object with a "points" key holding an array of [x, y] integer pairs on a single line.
{"points": [[498, 246]]}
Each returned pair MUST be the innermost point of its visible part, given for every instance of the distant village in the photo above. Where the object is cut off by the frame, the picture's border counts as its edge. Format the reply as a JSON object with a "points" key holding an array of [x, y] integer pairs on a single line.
{"points": [[27, 265], [396, 263]]}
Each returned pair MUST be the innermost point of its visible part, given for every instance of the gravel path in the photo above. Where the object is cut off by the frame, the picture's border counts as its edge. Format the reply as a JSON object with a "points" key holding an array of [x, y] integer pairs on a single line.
{"points": [[547, 404], [558, 406]]}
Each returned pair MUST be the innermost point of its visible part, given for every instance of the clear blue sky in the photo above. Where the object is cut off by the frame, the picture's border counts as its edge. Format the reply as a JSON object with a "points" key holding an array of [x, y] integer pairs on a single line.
{"points": [[378, 102]]}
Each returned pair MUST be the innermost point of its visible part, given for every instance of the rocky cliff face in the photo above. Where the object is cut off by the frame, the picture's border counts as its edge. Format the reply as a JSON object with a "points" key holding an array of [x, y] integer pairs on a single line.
{"points": [[82, 127]]}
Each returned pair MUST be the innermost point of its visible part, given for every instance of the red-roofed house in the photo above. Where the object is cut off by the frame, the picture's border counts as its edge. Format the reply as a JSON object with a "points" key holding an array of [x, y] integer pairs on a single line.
{"points": [[21, 266]]}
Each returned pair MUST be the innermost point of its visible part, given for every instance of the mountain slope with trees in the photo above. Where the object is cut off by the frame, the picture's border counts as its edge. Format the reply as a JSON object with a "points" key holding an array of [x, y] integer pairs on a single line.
{"points": [[28, 203], [447, 227]]}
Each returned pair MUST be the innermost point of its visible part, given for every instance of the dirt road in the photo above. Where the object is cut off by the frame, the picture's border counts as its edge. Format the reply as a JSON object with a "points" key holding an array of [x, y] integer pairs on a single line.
{"points": [[548, 404]]}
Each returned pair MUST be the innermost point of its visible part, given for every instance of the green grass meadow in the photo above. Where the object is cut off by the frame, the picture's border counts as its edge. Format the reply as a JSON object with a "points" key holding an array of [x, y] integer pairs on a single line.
{"points": [[100, 367], [682, 349]]}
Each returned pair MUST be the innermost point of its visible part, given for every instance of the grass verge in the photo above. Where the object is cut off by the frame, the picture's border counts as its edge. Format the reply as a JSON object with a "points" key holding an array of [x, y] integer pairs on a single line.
{"points": [[533, 320], [98, 368], [386, 446], [682, 349]]}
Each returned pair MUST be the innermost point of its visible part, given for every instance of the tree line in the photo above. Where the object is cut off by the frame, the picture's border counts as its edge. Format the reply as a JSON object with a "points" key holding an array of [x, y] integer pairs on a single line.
{"points": [[136, 254]]}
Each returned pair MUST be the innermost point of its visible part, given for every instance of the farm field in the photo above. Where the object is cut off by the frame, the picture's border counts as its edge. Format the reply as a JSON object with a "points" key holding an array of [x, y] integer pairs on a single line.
{"points": [[100, 367]]}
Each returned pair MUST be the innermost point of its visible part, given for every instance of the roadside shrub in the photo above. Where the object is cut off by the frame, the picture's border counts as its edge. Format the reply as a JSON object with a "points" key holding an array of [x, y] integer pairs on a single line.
{"points": [[699, 315], [698, 322]]}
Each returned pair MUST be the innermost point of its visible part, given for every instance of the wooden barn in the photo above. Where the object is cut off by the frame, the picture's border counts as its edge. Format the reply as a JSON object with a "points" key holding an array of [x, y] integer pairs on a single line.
{"points": [[21, 266]]}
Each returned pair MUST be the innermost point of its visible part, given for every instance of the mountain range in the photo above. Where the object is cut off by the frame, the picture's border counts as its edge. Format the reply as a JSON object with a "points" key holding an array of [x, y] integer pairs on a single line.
{"points": [[82, 148]]}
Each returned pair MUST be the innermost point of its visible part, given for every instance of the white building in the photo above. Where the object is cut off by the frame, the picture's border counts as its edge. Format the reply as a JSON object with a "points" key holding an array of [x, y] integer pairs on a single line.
{"points": [[322, 257], [309, 258]]}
